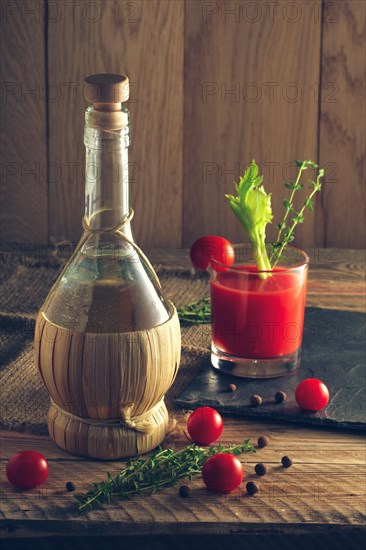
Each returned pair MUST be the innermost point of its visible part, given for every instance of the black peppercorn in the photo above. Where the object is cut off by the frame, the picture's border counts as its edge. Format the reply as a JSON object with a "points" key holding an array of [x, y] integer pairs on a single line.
{"points": [[286, 461], [70, 486], [280, 396], [263, 441], [252, 488], [184, 491], [231, 387], [260, 469], [255, 400]]}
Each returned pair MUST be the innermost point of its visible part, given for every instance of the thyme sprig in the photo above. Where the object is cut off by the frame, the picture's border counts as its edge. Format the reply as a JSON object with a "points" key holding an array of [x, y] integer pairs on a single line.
{"points": [[196, 313], [162, 469], [286, 228]]}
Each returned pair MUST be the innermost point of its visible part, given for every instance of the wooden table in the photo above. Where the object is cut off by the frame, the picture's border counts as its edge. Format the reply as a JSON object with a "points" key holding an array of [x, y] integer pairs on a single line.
{"points": [[319, 502]]}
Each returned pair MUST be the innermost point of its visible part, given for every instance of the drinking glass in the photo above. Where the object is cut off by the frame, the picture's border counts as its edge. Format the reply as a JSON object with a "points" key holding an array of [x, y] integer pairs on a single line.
{"points": [[258, 316]]}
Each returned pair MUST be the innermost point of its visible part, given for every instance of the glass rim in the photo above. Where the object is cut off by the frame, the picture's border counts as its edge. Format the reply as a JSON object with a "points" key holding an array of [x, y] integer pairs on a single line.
{"points": [[303, 261]]}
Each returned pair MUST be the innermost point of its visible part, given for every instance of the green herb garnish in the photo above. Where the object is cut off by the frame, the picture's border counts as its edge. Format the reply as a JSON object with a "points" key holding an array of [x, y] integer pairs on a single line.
{"points": [[286, 228], [252, 206], [162, 469], [196, 313]]}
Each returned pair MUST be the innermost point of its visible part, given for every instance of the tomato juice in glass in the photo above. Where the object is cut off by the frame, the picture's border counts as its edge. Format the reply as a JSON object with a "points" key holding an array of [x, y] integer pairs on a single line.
{"points": [[258, 317]]}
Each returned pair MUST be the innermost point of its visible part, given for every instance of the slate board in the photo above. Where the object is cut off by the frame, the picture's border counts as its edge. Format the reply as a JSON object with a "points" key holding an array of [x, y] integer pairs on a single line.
{"points": [[333, 350]]}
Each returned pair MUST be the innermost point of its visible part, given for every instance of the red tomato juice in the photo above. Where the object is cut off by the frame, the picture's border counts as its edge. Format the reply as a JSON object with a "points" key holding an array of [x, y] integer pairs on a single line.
{"points": [[258, 318]]}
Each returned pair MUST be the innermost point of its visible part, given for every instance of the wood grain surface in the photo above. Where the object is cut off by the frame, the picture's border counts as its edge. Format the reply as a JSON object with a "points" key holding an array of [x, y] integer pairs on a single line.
{"points": [[342, 137], [322, 494], [325, 486], [23, 186], [245, 99], [145, 41], [213, 84]]}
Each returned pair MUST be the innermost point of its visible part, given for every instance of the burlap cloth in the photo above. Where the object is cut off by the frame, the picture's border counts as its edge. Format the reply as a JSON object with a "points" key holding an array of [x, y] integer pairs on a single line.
{"points": [[24, 285]]}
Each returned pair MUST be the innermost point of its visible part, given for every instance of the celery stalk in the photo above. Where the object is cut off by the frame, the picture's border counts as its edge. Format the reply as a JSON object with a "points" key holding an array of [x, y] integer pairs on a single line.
{"points": [[252, 206]]}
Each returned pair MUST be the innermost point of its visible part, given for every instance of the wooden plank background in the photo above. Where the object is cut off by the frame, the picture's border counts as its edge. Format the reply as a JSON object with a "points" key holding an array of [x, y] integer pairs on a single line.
{"points": [[121, 37], [342, 122], [23, 142], [214, 84], [242, 78]]}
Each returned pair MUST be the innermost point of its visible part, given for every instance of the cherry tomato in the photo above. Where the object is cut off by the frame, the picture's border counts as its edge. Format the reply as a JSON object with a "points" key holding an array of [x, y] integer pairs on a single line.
{"points": [[312, 394], [206, 248], [27, 469], [222, 473], [205, 425]]}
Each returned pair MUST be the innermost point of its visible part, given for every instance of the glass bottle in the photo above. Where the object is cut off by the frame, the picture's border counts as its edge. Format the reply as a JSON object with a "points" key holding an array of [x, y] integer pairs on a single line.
{"points": [[107, 340]]}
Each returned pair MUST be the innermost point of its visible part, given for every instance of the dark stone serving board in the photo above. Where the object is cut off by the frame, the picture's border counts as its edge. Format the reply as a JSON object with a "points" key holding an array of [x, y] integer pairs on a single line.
{"points": [[333, 350]]}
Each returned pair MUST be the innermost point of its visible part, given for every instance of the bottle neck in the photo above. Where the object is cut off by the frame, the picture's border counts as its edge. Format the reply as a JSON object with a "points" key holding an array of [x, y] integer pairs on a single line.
{"points": [[106, 139]]}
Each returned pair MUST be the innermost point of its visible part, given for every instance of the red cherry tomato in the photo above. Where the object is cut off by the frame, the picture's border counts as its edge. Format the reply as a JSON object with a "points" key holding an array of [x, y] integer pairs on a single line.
{"points": [[222, 473], [206, 248], [27, 469], [312, 394], [205, 425]]}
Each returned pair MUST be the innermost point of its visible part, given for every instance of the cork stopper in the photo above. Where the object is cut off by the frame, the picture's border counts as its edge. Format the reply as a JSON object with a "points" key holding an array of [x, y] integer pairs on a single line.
{"points": [[106, 91]]}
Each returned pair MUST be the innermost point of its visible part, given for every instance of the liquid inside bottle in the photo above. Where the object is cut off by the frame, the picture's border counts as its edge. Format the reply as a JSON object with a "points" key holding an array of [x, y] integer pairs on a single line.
{"points": [[107, 288]]}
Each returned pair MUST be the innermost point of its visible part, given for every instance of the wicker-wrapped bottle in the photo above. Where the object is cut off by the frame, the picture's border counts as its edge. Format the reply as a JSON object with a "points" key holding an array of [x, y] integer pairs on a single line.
{"points": [[107, 341]]}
